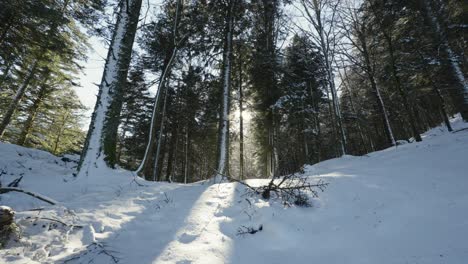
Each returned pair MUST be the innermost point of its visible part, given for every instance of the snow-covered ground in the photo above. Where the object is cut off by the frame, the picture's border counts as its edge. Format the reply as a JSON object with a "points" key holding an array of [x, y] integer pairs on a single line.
{"points": [[401, 205]]}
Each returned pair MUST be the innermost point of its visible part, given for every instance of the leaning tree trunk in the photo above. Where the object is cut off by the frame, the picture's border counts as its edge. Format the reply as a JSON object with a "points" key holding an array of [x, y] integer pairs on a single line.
{"points": [[146, 167], [16, 99], [223, 138], [101, 141], [370, 74], [461, 95], [160, 137], [32, 111], [409, 109], [346, 85]]}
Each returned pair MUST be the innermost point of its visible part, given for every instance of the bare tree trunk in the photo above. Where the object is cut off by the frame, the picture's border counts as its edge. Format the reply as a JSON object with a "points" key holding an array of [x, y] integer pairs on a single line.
{"points": [[60, 133], [223, 145], [351, 101], [327, 44], [17, 98], [187, 141], [170, 158], [380, 102], [160, 135], [32, 111], [146, 167], [410, 110], [241, 120]]}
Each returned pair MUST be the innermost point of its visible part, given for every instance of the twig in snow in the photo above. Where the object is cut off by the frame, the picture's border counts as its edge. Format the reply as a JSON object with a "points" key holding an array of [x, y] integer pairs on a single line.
{"points": [[244, 230], [15, 182], [58, 221], [97, 248]]}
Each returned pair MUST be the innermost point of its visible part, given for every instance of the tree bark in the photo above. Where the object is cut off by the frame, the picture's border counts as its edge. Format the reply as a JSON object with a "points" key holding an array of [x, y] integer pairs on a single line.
{"points": [[223, 129], [101, 141], [241, 123]]}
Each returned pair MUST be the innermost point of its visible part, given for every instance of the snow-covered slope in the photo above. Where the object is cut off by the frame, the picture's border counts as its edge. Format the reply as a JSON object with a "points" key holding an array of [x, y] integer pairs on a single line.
{"points": [[401, 205]]}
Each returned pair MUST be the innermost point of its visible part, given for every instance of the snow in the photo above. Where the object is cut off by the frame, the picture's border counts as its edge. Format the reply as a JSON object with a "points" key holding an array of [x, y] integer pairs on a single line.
{"points": [[405, 204]]}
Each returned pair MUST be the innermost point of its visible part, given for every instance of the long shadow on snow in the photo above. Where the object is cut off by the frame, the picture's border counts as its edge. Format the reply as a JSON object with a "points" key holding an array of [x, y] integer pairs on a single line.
{"points": [[146, 235]]}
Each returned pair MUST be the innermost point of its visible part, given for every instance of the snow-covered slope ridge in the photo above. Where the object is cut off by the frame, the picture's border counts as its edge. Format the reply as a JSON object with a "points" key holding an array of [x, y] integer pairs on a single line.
{"points": [[401, 205]]}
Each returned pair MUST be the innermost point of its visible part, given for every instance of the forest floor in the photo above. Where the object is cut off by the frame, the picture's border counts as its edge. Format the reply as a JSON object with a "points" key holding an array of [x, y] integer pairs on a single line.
{"points": [[407, 204]]}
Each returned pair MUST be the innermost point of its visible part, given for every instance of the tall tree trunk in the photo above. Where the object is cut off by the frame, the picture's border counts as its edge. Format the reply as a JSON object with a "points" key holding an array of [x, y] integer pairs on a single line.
{"points": [[100, 146], [456, 70], [442, 107], [223, 130], [160, 136], [146, 167], [32, 110], [346, 85], [327, 49], [170, 158], [410, 110], [17, 98], [60, 133], [187, 142], [241, 119], [125, 128], [378, 95]]}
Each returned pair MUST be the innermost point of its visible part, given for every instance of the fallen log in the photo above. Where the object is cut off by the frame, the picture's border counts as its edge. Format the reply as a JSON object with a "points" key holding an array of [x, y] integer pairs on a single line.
{"points": [[35, 195]]}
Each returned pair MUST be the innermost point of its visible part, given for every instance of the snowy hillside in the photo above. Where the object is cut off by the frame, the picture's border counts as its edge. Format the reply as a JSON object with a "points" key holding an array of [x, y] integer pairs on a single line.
{"points": [[401, 205]]}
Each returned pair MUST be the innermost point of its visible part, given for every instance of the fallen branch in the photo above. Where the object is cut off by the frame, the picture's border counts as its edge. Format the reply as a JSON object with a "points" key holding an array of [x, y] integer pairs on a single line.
{"points": [[35, 195], [291, 188], [461, 129], [58, 221]]}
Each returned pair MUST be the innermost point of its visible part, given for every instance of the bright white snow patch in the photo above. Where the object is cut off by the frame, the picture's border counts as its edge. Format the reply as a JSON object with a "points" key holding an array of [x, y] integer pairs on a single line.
{"points": [[406, 204]]}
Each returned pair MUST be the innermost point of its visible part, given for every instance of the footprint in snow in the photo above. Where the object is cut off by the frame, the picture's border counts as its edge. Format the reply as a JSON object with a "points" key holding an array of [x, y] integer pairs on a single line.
{"points": [[187, 238]]}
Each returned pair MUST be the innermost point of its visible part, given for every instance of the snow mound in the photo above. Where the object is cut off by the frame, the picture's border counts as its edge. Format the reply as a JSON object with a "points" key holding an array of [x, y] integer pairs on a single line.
{"points": [[406, 204]]}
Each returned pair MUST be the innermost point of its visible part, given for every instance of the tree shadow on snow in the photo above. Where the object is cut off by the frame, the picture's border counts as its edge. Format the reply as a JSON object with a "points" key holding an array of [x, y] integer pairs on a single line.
{"points": [[147, 234]]}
